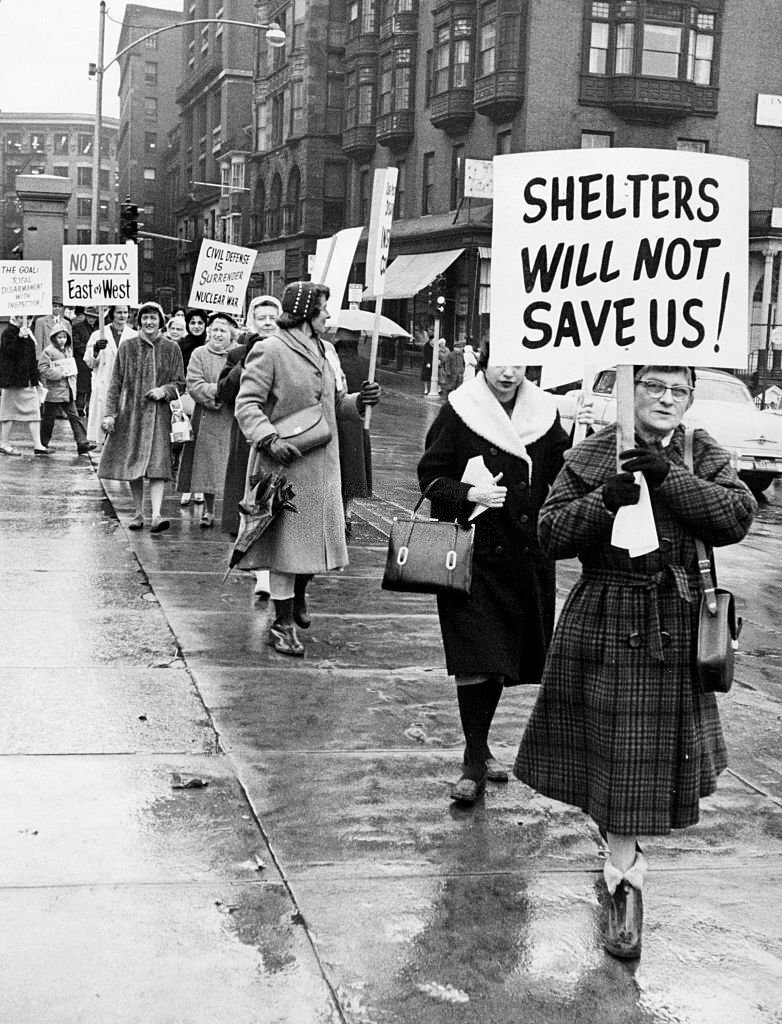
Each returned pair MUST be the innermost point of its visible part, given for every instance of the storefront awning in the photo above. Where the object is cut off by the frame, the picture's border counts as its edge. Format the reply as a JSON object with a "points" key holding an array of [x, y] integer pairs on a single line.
{"points": [[408, 275]]}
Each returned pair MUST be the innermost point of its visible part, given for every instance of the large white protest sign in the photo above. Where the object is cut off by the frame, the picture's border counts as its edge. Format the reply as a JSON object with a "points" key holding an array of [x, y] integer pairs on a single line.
{"points": [[25, 287], [620, 256], [380, 219], [221, 277], [99, 275]]}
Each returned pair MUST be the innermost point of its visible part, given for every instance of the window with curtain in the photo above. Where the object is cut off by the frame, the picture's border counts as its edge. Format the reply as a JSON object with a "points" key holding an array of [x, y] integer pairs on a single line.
{"points": [[427, 184], [487, 38]]}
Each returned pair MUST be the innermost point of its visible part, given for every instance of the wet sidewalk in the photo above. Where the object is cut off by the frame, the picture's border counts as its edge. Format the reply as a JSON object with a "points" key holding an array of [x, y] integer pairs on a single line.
{"points": [[321, 874]]}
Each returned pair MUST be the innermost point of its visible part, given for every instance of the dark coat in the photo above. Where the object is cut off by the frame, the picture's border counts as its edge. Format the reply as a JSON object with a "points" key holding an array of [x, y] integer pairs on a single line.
{"points": [[355, 446], [505, 624], [140, 444], [18, 360], [620, 727], [81, 333], [187, 346]]}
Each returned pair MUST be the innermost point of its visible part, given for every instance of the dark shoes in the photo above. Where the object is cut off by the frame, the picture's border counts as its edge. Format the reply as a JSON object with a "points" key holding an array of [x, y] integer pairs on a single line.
{"points": [[467, 791], [283, 638], [159, 525], [301, 615], [495, 772], [83, 449], [625, 922]]}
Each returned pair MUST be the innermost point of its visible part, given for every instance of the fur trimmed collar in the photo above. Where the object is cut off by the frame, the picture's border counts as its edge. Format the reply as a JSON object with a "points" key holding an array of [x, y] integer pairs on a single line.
{"points": [[534, 413]]}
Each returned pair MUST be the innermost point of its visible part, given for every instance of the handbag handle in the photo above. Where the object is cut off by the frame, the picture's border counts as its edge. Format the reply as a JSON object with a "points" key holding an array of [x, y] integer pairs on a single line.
{"points": [[425, 493], [705, 567]]}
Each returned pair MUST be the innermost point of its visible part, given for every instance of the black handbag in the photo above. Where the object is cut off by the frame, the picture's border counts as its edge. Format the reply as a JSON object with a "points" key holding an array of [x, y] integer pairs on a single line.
{"points": [[428, 556], [718, 630]]}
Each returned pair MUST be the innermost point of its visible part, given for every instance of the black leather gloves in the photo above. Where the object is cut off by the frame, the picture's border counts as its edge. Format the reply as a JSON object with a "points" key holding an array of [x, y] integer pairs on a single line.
{"points": [[368, 395], [281, 451], [648, 461], [619, 490]]}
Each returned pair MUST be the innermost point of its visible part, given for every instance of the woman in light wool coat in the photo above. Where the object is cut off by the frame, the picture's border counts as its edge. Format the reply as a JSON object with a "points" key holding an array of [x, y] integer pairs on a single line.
{"points": [[289, 374]]}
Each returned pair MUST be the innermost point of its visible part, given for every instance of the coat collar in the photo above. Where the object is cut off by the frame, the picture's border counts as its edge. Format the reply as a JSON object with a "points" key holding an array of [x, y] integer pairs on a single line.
{"points": [[305, 345], [534, 413]]}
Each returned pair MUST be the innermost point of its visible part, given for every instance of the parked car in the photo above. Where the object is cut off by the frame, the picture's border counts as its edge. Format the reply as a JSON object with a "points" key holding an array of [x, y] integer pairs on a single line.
{"points": [[723, 406]]}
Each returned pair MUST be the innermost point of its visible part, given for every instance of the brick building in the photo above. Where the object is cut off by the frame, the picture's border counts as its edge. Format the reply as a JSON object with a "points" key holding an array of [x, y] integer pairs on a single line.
{"points": [[60, 144]]}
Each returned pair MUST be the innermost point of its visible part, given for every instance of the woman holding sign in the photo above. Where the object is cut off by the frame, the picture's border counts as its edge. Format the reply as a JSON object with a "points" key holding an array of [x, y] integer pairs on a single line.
{"points": [[491, 456], [621, 727]]}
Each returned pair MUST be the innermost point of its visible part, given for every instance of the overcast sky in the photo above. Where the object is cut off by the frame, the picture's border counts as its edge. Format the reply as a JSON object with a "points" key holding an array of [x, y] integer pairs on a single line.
{"points": [[47, 46]]}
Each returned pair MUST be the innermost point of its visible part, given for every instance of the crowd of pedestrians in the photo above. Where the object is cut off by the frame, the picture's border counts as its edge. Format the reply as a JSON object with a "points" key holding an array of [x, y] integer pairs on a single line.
{"points": [[621, 728]]}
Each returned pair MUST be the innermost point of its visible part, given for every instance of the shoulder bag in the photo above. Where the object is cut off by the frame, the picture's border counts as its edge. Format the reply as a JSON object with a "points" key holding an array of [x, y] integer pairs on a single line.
{"points": [[718, 628], [428, 556], [307, 428]]}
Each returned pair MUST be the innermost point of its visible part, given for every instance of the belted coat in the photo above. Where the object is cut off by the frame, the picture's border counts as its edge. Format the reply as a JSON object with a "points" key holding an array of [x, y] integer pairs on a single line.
{"points": [[620, 727], [288, 373], [505, 624]]}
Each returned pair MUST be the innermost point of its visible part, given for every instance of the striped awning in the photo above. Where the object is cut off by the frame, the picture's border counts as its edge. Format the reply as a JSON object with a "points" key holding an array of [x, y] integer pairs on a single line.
{"points": [[408, 275]]}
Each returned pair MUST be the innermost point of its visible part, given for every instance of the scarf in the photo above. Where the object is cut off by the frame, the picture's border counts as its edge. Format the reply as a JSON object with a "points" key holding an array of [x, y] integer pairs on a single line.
{"points": [[534, 413]]}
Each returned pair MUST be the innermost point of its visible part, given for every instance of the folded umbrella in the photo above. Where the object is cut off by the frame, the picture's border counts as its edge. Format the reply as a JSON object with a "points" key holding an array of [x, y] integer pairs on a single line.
{"points": [[266, 496]]}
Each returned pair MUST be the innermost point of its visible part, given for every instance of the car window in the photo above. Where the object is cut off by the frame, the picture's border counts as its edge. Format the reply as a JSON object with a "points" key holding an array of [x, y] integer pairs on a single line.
{"points": [[718, 390], [604, 385]]}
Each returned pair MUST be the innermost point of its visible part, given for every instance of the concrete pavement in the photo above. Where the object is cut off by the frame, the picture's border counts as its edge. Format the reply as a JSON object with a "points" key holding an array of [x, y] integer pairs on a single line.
{"points": [[321, 875]]}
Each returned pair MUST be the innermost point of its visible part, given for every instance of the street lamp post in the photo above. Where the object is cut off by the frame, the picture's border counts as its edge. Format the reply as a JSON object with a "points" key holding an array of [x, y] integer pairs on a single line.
{"points": [[275, 37]]}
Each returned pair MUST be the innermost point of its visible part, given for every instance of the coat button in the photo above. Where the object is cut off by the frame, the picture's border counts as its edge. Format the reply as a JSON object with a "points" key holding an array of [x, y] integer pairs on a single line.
{"points": [[318, 395], [665, 637], [499, 549], [523, 519], [493, 451], [634, 639]]}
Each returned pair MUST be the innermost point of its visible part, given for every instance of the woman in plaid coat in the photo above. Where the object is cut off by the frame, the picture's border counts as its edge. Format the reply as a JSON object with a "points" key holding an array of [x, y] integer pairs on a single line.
{"points": [[621, 728]]}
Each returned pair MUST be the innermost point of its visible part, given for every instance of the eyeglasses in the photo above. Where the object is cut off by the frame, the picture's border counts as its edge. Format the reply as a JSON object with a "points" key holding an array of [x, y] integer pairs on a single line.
{"points": [[656, 389]]}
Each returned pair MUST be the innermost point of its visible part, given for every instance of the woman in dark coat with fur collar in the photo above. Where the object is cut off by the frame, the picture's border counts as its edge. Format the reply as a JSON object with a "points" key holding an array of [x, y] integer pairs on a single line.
{"points": [[497, 636]]}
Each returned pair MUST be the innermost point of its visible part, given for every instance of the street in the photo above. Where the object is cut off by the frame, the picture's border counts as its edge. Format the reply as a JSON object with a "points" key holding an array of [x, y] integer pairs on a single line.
{"points": [[197, 829]]}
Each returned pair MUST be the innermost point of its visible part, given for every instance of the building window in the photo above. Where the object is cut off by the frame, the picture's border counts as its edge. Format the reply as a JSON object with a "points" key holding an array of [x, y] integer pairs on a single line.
{"points": [[103, 179], [453, 56], [395, 80], [597, 140], [333, 197], [11, 172], [237, 175], [103, 209], [503, 143], [83, 236], [457, 175], [60, 171], [150, 108], [37, 142], [84, 177], [361, 18], [259, 210], [366, 96], [103, 238], [150, 174], [487, 38], [62, 141], [150, 73], [294, 200], [386, 80], [150, 44], [85, 144], [278, 119], [148, 248], [428, 81], [335, 102], [83, 207], [149, 211], [401, 188], [150, 142], [692, 145], [364, 195], [655, 39], [427, 184], [351, 100], [13, 142], [275, 207]]}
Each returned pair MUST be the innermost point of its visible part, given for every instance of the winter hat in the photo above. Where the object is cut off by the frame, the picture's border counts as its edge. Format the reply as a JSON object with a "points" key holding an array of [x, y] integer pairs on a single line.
{"points": [[152, 307], [220, 315], [300, 300], [261, 300], [177, 320], [59, 326]]}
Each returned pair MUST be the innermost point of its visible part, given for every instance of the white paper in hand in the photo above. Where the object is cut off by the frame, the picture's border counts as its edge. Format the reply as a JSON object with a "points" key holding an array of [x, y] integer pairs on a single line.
{"points": [[634, 527], [476, 474]]}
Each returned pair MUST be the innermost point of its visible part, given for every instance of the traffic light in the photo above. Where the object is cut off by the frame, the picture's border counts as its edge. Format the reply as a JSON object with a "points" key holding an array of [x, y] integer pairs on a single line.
{"points": [[128, 222], [440, 300]]}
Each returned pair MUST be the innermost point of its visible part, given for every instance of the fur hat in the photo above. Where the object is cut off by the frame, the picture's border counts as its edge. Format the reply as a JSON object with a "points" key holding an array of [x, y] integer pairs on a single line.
{"points": [[58, 327], [152, 307]]}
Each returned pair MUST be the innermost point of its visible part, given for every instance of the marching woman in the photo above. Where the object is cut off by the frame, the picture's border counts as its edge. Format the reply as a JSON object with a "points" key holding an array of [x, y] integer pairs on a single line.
{"points": [[621, 727], [19, 379], [497, 636], [202, 468], [99, 355], [291, 373], [147, 375]]}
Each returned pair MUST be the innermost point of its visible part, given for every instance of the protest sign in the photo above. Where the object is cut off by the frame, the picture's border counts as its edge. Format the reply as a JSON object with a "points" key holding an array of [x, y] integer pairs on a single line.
{"points": [[620, 256], [380, 218], [221, 277], [25, 287], [99, 275], [333, 259]]}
